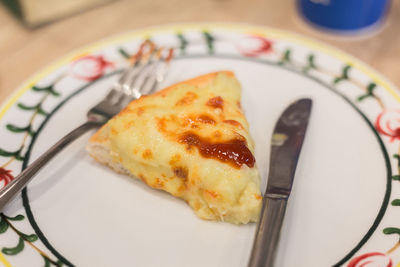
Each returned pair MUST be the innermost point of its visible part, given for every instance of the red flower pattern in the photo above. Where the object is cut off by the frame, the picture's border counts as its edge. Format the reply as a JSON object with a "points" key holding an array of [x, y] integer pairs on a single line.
{"points": [[5, 176], [252, 46], [372, 259], [388, 123], [90, 68]]}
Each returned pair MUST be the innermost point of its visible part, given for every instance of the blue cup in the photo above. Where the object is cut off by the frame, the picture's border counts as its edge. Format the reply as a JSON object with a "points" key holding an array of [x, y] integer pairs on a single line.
{"points": [[344, 15]]}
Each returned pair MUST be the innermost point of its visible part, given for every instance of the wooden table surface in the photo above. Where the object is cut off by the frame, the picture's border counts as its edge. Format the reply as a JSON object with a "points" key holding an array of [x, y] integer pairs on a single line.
{"points": [[24, 51]]}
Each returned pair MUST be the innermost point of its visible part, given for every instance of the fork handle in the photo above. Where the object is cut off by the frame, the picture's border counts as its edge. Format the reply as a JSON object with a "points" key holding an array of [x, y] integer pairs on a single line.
{"points": [[17, 184]]}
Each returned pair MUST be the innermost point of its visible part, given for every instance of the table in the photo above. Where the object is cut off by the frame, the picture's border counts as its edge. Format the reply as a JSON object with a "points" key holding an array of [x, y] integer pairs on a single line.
{"points": [[24, 51]]}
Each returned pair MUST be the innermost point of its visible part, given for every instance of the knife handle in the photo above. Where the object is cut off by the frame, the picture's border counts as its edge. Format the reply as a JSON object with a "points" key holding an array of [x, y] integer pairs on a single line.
{"points": [[268, 231]]}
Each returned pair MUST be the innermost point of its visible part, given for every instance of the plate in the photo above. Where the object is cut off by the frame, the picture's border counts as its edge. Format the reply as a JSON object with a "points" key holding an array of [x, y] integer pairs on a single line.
{"points": [[344, 209]]}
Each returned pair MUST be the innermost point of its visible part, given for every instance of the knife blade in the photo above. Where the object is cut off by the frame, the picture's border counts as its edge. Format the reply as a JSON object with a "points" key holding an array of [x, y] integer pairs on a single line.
{"points": [[287, 140]]}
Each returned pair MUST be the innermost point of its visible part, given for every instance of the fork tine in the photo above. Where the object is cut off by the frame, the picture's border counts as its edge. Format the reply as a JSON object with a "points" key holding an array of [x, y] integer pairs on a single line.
{"points": [[143, 72], [149, 85], [137, 59], [148, 70], [139, 70], [133, 70], [133, 75], [158, 73], [153, 79], [136, 85]]}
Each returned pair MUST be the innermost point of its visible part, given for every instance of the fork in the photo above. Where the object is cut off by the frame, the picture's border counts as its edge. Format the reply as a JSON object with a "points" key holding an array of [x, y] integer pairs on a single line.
{"points": [[142, 77]]}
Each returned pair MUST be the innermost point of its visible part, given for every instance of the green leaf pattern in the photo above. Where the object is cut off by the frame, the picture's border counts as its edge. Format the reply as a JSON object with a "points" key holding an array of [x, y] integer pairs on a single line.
{"points": [[370, 92], [183, 43], [17, 129], [37, 108], [210, 41], [286, 57], [310, 63], [124, 53], [3, 226], [344, 75], [47, 89], [15, 250], [6, 221], [396, 202], [18, 217], [391, 230], [15, 154]]}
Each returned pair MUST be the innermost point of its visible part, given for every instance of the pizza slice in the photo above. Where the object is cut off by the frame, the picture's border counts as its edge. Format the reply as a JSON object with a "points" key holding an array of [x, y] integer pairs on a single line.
{"points": [[191, 140]]}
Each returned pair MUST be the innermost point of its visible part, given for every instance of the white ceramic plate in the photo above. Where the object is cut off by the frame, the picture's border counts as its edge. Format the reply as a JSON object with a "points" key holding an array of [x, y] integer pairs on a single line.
{"points": [[344, 207]]}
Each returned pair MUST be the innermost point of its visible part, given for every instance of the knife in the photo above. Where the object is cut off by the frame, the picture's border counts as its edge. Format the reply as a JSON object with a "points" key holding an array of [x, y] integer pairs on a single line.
{"points": [[286, 143]]}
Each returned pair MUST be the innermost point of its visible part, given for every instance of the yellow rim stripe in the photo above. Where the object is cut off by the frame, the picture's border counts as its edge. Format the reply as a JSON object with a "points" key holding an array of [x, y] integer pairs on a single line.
{"points": [[4, 261], [316, 45]]}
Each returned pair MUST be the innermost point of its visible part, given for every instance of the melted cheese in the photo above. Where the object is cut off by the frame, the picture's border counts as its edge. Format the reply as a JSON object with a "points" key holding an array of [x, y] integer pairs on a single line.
{"points": [[211, 170]]}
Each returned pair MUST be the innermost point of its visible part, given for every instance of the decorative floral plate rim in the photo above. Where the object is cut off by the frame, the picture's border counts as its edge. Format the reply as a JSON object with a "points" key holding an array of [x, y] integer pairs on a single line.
{"points": [[377, 80], [236, 27]]}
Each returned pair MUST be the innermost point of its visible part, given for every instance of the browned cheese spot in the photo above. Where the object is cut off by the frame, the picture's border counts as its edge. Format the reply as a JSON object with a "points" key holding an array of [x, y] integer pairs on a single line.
{"points": [[175, 158], [186, 121], [234, 123], [114, 131], [193, 121], [181, 172], [128, 125], [140, 111], [216, 102], [161, 124], [211, 193], [204, 118], [187, 99], [181, 189], [158, 183], [147, 154], [169, 125]]}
